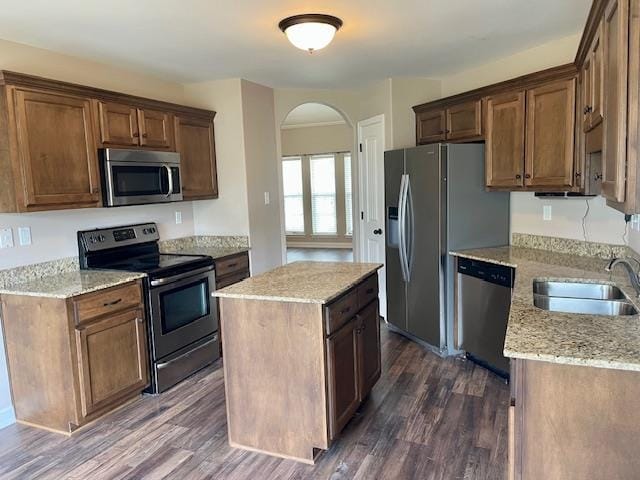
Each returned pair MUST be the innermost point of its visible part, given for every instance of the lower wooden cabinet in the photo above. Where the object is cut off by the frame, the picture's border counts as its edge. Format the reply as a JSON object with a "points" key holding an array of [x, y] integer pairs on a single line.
{"points": [[568, 421], [68, 365], [112, 355], [368, 343], [343, 376]]}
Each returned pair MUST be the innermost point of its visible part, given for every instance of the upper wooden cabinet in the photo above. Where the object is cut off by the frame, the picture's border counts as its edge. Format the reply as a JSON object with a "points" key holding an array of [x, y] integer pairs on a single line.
{"points": [[431, 126], [592, 76], [504, 140], [50, 133], [549, 139], [52, 151], [118, 124], [195, 142], [614, 142], [457, 122], [122, 125]]}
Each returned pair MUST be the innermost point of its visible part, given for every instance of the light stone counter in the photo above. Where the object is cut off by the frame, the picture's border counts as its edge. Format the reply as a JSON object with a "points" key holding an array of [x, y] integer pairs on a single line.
{"points": [[70, 284], [213, 252], [303, 282], [575, 339]]}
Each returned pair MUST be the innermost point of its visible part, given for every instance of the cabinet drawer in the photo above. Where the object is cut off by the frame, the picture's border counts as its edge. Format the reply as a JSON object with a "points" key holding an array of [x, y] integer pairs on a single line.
{"points": [[341, 310], [227, 266], [108, 301], [231, 279], [368, 290]]}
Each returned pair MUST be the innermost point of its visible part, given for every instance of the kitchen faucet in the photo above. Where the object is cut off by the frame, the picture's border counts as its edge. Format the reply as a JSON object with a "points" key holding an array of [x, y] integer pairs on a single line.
{"points": [[634, 278]]}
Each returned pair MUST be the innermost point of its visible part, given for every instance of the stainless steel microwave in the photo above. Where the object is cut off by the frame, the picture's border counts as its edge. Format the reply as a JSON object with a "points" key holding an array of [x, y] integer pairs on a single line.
{"points": [[136, 177]]}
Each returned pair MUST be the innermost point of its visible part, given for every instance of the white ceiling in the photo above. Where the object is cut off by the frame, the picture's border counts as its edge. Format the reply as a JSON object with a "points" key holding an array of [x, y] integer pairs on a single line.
{"points": [[312, 114], [196, 40]]}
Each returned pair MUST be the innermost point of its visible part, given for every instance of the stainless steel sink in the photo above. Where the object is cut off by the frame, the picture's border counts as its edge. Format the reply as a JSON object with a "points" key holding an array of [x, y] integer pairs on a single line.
{"points": [[596, 291], [585, 298], [584, 305]]}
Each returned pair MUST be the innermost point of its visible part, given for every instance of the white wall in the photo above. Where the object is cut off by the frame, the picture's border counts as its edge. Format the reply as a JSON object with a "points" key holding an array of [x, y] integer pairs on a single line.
{"points": [[405, 93], [262, 163], [227, 215]]}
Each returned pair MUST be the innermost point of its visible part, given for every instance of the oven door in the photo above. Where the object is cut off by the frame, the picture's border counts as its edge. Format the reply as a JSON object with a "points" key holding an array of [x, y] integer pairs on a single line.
{"points": [[135, 183], [182, 312]]}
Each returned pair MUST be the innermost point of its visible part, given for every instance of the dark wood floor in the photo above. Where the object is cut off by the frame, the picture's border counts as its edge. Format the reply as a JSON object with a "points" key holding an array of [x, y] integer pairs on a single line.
{"points": [[427, 418], [320, 254]]}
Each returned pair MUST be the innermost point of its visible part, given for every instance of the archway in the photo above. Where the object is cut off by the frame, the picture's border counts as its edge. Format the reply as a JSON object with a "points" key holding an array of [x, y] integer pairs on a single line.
{"points": [[318, 185]]}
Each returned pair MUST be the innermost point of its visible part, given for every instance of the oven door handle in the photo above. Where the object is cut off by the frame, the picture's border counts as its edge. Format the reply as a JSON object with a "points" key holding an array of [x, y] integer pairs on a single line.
{"points": [[174, 278], [169, 179]]}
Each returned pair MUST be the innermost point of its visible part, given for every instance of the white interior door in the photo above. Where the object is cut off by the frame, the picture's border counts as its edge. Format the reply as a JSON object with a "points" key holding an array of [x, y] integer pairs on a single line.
{"points": [[371, 176]]}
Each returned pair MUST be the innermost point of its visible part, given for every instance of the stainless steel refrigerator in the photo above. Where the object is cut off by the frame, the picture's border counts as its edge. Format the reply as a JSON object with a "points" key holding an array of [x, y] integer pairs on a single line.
{"points": [[435, 201]]}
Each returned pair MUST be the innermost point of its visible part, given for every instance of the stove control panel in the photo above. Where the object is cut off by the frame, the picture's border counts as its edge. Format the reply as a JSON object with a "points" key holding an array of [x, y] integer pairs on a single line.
{"points": [[106, 238]]}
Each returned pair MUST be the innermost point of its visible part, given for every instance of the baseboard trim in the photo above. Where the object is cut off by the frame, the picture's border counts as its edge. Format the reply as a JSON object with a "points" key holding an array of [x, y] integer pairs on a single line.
{"points": [[346, 246], [7, 417]]}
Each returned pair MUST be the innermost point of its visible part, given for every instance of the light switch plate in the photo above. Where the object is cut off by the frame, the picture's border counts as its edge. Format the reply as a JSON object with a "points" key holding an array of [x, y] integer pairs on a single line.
{"points": [[6, 238], [546, 212], [178, 218], [24, 236], [267, 199]]}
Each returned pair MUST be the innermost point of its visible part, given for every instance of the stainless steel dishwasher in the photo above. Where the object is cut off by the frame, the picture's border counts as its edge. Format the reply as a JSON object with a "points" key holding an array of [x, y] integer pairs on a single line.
{"points": [[484, 299]]}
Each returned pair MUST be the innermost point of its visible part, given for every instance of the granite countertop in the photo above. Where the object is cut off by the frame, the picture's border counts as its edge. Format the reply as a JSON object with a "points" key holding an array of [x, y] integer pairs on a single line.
{"points": [[215, 252], [70, 284], [574, 339], [303, 282]]}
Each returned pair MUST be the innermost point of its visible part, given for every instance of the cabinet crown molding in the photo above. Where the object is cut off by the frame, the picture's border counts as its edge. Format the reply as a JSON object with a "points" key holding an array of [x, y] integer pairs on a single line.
{"points": [[32, 81]]}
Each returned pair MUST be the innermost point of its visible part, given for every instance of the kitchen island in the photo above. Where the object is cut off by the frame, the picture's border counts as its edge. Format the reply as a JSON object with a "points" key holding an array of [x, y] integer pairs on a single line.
{"points": [[302, 352]]}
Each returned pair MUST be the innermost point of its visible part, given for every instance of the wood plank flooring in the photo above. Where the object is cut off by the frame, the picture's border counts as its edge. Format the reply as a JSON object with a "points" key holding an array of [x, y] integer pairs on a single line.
{"points": [[427, 418]]}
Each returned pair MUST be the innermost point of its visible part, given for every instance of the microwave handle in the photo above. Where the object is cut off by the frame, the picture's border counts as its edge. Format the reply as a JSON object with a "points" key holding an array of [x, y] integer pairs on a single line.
{"points": [[170, 177]]}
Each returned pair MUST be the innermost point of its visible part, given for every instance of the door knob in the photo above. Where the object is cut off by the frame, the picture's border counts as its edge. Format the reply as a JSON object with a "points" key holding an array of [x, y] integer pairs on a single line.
{"points": [[377, 231]]}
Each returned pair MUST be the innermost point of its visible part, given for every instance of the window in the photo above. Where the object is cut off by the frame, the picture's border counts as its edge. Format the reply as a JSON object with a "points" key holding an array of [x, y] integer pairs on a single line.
{"points": [[348, 199], [293, 199], [323, 195]]}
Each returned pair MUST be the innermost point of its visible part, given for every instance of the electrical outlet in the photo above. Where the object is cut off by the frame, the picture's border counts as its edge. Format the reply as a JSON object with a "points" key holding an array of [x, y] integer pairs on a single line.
{"points": [[178, 218], [6, 238], [546, 212], [24, 236], [635, 223], [267, 199]]}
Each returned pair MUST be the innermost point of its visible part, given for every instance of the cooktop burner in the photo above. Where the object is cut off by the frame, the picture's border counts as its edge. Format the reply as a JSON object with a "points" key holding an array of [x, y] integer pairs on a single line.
{"points": [[152, 263]]}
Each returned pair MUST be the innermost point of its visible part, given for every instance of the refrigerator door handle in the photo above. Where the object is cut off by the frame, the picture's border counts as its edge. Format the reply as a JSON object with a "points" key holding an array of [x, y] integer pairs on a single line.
{"points": [[402, 215], [410, 249]]}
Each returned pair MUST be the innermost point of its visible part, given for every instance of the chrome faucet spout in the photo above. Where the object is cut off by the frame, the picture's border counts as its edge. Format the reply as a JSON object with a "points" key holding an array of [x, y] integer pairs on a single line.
{"points": [[634, 278]]}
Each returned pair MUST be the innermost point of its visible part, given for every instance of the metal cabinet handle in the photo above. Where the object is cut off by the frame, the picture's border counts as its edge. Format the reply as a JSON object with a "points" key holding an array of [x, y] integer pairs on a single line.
{"points": [[597, 176], [518, 176], [527, 175], [136, 134], [231, 265], [111, 304], [578, 174]]}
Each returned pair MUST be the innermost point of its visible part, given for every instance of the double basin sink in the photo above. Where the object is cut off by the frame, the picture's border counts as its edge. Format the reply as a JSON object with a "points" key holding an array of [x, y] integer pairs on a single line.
{"points": [[585, 298]]}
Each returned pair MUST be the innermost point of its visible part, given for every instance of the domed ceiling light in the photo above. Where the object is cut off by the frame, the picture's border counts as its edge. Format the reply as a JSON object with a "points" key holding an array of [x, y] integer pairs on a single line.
{"points": [[311, 31]]}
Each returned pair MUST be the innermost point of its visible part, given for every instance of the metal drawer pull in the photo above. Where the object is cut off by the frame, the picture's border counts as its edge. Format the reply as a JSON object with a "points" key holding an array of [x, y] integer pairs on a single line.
{"points": [[231, 265], [111, 304]]}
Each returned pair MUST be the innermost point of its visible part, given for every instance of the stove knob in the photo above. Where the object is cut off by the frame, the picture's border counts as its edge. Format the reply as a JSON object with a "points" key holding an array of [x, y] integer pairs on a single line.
{"points": [[92, 239], [146, 231], [101, 238]]}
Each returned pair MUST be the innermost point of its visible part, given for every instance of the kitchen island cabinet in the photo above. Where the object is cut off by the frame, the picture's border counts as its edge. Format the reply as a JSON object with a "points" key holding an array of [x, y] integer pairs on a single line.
{"points": [[302, 352]]}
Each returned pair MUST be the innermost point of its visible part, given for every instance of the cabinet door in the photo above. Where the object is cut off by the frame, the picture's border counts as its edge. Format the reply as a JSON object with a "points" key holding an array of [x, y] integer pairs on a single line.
{"points": [[369, 364], [431, 126], [156, 129], [464, 121], [112, 355], [597, 81], [342, 368], [504, 140], [118, 125], [56, 154], [550, 134], [195, 143], [614, 149], [586, 92]]}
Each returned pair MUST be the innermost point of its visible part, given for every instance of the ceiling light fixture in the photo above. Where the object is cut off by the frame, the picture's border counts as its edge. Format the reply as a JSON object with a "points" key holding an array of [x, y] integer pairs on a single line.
{"points": [[310, 31]]}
